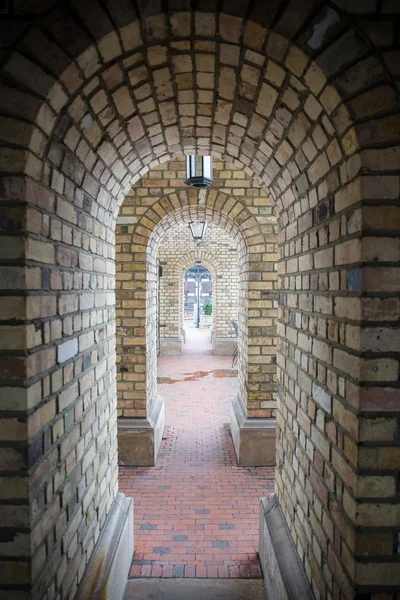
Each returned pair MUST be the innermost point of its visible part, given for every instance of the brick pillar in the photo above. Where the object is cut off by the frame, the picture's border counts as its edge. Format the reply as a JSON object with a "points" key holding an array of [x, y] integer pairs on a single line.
{"points": [[57, 393], [17, 337], [372, 447], [130, 320], [142, 424], [337, 450]]}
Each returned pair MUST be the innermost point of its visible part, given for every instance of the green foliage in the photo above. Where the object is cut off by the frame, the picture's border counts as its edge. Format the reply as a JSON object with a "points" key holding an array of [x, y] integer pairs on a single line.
{"points": [[207, 309]]}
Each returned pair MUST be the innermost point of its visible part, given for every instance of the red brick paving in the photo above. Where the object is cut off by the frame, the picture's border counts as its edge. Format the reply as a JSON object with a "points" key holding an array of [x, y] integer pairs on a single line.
{"points": [[196, 512]]}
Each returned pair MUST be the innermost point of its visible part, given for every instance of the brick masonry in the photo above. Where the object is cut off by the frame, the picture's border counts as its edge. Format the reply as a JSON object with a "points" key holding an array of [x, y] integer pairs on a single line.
{"points": [[93, 96], [178, 252], [238, 205]]}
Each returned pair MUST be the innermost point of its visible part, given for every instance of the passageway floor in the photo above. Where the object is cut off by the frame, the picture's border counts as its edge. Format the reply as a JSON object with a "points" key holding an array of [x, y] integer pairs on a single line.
{"points": [[195, 589], [196, 511]]}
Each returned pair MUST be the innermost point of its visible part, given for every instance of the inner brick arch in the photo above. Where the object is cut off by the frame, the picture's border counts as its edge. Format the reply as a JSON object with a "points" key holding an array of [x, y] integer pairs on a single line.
{"points": [[247, 243], [174, 209], [326, 207], [198, 257], [201, 257], [224, 270], [205, 259], [178, 252]]}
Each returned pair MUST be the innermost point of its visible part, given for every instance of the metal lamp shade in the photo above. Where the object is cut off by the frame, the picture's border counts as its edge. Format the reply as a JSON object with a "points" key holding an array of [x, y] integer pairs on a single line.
{"points": [[198, 171], [198, 229]]}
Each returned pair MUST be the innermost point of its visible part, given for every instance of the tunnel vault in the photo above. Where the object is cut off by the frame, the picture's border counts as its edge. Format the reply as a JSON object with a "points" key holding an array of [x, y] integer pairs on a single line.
{"points": [[256, 334], [299, 95]]}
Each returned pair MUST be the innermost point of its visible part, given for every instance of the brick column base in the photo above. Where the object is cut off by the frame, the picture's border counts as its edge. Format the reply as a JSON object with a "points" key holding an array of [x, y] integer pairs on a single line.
{"points": [[139, 440], [223, 346], [283, 572], [253, 439], [171, 346], [107, 571]]}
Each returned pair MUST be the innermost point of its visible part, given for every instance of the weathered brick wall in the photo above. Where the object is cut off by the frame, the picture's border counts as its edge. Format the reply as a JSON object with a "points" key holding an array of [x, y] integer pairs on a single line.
{"points": [[217, 252], [60, 390], [92, 97]]}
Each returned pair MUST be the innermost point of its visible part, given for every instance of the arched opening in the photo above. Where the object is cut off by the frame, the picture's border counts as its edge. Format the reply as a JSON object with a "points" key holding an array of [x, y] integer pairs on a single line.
{"points": [[177, 252], [303, 99], [197, 297], [196, 431], [140, 406]]}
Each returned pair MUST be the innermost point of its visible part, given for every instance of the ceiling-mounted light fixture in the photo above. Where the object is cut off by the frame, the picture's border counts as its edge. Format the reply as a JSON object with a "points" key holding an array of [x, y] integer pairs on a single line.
{"points": [[198, 229], [198, 171]]}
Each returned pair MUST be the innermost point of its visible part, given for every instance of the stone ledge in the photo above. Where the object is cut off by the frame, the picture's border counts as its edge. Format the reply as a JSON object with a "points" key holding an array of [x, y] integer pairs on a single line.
{"points": [[171, 346], [283, 573], [107, 572], [139, 440], [223, 346], [253, 439]]}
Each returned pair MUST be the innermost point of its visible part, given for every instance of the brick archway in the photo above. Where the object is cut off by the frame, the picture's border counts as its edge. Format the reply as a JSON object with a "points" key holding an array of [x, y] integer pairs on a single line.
{"points": [[205, 259], [93, 97], [148, 231]]}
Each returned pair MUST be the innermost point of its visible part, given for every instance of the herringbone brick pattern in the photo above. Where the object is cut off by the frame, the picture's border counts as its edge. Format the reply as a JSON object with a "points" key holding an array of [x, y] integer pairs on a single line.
{"points": [[196, 512]]}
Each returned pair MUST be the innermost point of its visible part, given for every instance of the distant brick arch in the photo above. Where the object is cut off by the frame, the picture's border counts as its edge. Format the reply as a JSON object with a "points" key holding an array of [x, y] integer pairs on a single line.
{"points": [[201, 257], [194, 258], [204, 259], [210, 261]]}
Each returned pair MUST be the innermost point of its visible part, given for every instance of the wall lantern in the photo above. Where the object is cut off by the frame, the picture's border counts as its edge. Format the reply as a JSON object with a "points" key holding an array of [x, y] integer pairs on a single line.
{"points": [[198, 171], [198, 229]]}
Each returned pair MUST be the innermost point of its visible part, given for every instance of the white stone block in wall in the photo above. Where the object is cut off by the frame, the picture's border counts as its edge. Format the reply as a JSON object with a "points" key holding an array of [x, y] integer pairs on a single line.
{"points": [[67, 350], [322, 398], [127, 220]]}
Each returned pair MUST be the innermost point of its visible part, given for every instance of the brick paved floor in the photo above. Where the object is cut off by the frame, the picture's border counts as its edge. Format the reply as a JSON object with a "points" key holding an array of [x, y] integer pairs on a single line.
{"points": [[196, 512]]}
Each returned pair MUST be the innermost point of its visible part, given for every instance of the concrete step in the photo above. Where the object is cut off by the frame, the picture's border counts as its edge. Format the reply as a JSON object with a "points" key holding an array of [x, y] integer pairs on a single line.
{"points": [[195, 589]]}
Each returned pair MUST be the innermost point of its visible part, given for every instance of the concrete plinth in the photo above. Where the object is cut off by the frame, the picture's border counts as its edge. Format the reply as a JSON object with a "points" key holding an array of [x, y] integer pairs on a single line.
{"points": [[283, 573], [146, 588], [253, 439], [223, 346], [139, 439], [107, 571], [171, 346]]}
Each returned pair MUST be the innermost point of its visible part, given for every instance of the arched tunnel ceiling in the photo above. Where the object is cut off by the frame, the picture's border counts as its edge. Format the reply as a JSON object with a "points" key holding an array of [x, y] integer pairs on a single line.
{"points": [[114, 89]]}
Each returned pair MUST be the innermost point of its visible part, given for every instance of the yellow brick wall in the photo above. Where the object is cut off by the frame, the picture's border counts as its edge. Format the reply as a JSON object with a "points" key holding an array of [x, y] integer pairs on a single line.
{"points": [[217, 252]]}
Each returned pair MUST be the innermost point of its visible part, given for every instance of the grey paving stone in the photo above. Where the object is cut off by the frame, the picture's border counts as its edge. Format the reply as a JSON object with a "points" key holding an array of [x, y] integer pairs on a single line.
{"points": [[220, 544], [195, 589], [161, 550]]}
